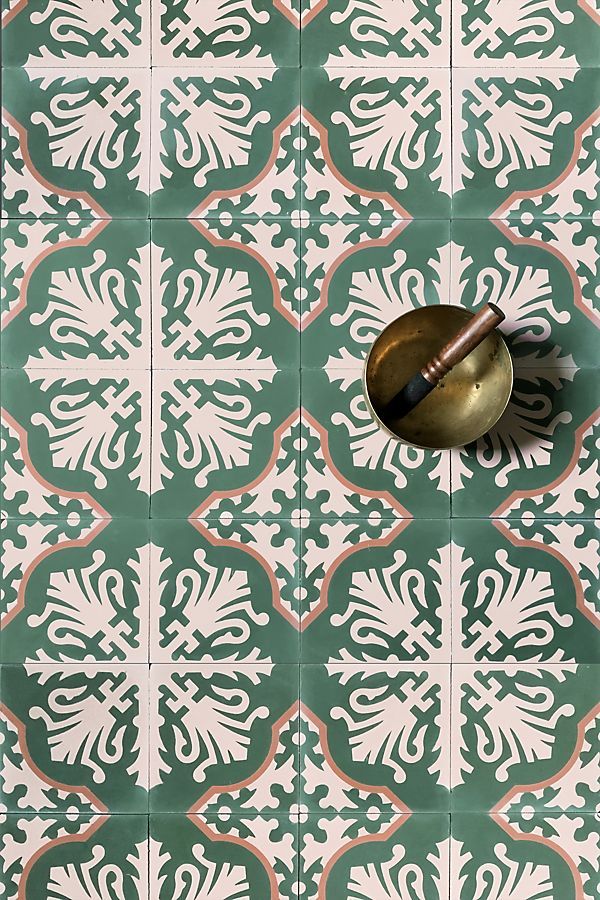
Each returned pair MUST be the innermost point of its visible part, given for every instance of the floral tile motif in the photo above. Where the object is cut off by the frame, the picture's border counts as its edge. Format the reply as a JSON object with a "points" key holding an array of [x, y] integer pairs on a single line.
{"points": [[238, 33], [226, 294], [540, 457], [374, 855], [76, 738], [520, 33], [226, 142], [525, 591], [387, 133], [352, 469], [225, 444], [54, 33], [64, 856], [76, 293], [75, 443], [76, 143], [377, 33], [374, 594], [224, 738], [359, 279], [375, 738], [525, 738], [544, 275], [554, 855], [226, 856], [75, 591], [224, 591], [524, 143]]}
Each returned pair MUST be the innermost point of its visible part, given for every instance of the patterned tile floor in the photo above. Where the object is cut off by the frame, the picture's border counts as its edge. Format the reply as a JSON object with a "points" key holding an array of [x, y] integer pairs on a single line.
{"points": [[251, 649]]}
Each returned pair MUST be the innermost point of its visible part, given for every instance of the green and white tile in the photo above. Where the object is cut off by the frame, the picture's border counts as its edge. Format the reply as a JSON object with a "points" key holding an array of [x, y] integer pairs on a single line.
{"points": [[224, 590], [352, 469], [376, 34], [524, 142], [385, 136], [374, 855], [224, 738], [228, 856], [225, 443], [375, 738], [75, 442], [525, 738], [541, 456], [76, 143], [518, 33], [77, 738], [64, 856], [525, 591], [75, 293], [535, 856], [376, 593], [225, 143], [226, 294], [219, 32], [75, 591]]}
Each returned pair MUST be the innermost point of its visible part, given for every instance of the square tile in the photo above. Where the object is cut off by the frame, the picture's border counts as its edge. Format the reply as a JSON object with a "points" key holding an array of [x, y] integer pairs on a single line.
{"points": [[375, 738], [544, 275], [57, 855], [39, 33], [75, 442], [228, 856], [77, 737], [75, 591], [225, 143], [76, 143], [352, 469], [225, 444], [224, 738], [76, 293], [524, 738], [524, 142], [375, 855], [518, 33], [218, 32], [379, 35], [555, 855], [226, 294], [360, 276], [225, 590], [383, 136], [540, 457], [376, 594], [525, 590]]}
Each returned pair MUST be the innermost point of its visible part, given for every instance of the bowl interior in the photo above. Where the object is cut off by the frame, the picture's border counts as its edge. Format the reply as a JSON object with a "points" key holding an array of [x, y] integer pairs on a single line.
{"points": [[466, 403]]}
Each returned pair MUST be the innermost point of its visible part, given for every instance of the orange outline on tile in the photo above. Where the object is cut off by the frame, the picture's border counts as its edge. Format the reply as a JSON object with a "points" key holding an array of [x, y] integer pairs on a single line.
{"points": [[17, 8], [537, 192], [587, 9], [300, 21], [98, 225], [194, 814], [37, 176], [543, 489], [516, 541], [497, 814]]}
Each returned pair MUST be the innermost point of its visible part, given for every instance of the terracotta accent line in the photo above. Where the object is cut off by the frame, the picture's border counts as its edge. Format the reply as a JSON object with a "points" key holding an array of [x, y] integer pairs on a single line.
{"points": [[83, 241], [516, 541], [37, 176], [522, 495], [17, 8], [299, 21], [59, 785], [584, 4], [537, 192]]}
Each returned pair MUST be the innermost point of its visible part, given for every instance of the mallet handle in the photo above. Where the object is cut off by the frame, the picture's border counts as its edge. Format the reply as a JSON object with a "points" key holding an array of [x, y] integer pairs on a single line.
{"points": [[458, 347]]}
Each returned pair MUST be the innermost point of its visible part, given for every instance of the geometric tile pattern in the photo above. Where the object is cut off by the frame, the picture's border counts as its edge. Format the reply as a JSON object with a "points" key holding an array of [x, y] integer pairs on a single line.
{"points": [[249, 646]]}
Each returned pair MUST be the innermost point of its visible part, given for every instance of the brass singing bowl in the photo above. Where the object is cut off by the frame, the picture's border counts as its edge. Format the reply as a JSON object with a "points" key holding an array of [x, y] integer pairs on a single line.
{"points": [[467, 402]]}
